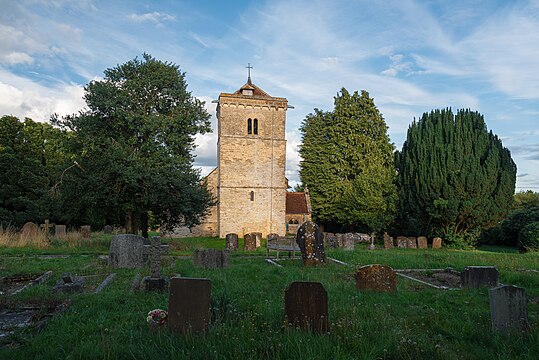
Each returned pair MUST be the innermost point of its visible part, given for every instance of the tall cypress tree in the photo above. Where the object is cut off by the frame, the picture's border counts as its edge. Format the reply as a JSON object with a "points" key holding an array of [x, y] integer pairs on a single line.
{"points": [[348, 163], [453, 174]]}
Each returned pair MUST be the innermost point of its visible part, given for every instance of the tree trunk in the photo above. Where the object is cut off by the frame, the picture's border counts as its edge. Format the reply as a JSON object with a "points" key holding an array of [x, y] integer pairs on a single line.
{"points": [[144, 224]]}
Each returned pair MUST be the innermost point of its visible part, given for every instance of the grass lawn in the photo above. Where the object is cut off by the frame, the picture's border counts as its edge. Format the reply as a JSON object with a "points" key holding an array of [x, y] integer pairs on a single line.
{"points": [[416, 322]]}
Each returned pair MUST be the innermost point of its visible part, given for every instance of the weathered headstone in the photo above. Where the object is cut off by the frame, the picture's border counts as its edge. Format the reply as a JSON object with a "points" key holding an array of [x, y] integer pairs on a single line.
{"points": [[388, 241], [60, 231], [311, 243], [371, 245], [412, 243], [331, 240], [232, 241], [108, 229], [422, 242], [348, 241], [86, 231], [69, 284], [249, 242], [339, 240], [29, 230], [258, 239], [478, 276], [508, 309], [210, 258], [437, 243], [189, 305], [376, 277], [126, 251], [402, 242], [306, 306], [155, 282]]}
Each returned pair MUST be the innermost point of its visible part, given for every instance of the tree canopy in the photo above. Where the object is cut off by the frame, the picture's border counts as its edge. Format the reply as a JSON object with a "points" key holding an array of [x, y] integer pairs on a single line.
{"points": [[348, 165], [134, 144], [453, 174]]}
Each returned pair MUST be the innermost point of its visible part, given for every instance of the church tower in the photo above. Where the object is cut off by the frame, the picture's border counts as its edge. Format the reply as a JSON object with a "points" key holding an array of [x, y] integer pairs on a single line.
{"points": [[251, 157]]}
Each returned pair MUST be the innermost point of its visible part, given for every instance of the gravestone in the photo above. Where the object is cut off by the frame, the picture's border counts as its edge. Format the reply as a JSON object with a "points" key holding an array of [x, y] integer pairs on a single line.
{"points": [[210, 258], [380, 278], [126, 251], [311, 243], [29, 230], [108, 229], [412, 243], [478, 276], [155, 282], [339, 240], [249, 242], [402, 242], [331, 240], [86, 231], [508, 309], [348, 241], [258, 239], [189, 305], [306, 306], [46, 228], [422, 242], [388, 242], [69, 284], [371, 245], [60, 231], [437, 243], [232, 241]]}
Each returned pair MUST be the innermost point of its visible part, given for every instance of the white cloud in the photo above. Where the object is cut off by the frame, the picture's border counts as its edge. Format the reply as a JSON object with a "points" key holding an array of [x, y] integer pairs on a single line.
{"points": [[154, 17]]}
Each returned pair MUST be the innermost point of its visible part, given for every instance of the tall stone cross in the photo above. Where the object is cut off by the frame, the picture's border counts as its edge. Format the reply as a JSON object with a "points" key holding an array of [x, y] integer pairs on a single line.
{"points": [[154, 251]]}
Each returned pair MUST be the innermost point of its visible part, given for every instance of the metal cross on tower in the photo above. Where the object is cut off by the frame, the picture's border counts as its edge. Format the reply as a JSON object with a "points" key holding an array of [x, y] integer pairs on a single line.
{"points": [[249, 67]]}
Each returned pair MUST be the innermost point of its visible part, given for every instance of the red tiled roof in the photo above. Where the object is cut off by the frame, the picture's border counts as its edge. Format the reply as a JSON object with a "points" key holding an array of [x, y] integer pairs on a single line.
{"points": [[256, 90], [296, 203]]}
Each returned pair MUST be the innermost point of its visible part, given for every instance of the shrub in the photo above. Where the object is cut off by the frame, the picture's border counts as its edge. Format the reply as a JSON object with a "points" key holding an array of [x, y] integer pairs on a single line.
{"points": [[528, 238], [517, 220], [464, 240]]}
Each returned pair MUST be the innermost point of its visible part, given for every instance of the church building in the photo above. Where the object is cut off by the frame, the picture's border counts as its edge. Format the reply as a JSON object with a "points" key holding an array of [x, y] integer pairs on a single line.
{"points": [[249, 181]]}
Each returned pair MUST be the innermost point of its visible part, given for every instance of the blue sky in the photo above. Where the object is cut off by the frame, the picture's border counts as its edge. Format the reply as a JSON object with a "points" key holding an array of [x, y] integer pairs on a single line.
{"points": [[412, 56]]}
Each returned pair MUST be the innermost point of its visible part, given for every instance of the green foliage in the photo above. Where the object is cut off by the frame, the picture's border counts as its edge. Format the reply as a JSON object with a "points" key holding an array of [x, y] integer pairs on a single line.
{"points": [[528, 238], [453, 174], [347, 164], [526, 199], [464, 240], [515, 222], [135, 145]]}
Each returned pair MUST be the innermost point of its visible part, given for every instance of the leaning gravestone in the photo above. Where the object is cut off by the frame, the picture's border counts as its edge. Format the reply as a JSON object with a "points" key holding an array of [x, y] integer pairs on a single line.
{"points": [[306, 306], [311, 243], [478, 276], [388, 242], [249, 242], [29, 230], [60, 231], [232, 241], [402, 242], [155, 282], [189, 305], [348, 241], [412, 243], [210, 258], [126, 251], [422, 242], [508, 309], [437, 243], [376, 277], [108, 229], [86, 231]]}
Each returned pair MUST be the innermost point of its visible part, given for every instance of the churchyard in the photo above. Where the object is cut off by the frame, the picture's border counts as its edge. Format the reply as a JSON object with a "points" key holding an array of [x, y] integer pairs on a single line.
{"points": [[71, 298]]}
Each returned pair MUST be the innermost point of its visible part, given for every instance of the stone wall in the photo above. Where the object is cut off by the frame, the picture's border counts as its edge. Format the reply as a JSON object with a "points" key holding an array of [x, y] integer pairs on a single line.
{"points": [[209, 226]]}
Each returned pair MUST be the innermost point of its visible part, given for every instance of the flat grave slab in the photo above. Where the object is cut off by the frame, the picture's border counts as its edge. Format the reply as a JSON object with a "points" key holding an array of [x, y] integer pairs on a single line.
{"points": [[437, 278]]}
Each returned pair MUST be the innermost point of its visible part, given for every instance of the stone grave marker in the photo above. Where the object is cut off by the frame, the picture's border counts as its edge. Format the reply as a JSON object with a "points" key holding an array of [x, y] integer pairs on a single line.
{"points": [[348, 241], [69, 284], [437, 243], [371, 245], [311, 243], [380, 278], [249, 242], [331, 240], [402, 242], [46, 228], [508, 309], [339, 241], [306, 306], [412, 243], [60, 231], [86, 231], [108, 229], [189, 305], [232, 241], [155, 282], [29, 230], [210, 258], [388, 241], [127, 251], [422, 242], [258, 238], [478, 276]]}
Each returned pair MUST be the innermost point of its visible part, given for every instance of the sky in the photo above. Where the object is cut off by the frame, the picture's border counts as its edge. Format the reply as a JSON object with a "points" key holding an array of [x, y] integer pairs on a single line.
{"points": [[411, 56]]}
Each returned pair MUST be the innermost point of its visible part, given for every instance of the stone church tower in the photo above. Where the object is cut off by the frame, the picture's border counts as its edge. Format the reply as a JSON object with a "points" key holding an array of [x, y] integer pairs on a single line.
{"points": [[249, 182]]}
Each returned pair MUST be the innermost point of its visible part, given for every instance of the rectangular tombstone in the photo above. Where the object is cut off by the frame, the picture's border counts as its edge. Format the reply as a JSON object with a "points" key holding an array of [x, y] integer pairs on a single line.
{"points": [[232, 241], [437, 243], [508, 309], [86, 231], [210, 258], [422, 242], [249, 242], [348, 241], [412, 243], [380, 278], [388, 242], [60, 231], [127, 251], [258, 238], [306, 306], [478, 276], [402, 242], [189, 305]]}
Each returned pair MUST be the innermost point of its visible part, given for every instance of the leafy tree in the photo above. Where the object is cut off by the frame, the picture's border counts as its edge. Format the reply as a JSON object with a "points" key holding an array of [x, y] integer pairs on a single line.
{"points": [[526, 199], [453, 174], [347, 164], [135, 142]]}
